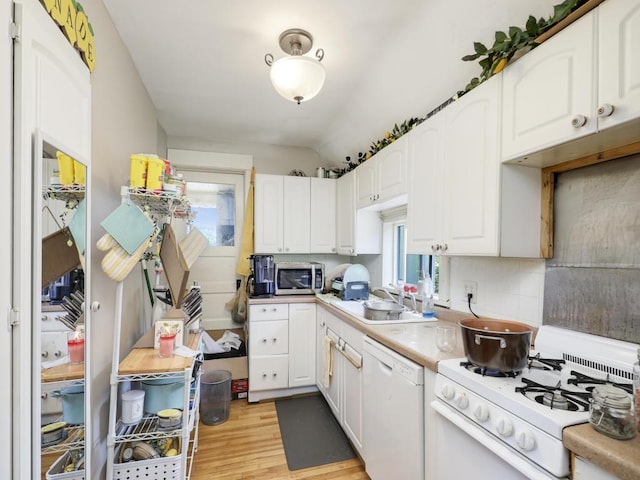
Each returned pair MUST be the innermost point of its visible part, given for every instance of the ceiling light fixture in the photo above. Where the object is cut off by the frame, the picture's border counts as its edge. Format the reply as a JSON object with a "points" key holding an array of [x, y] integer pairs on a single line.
{"points": [[297, 78]]}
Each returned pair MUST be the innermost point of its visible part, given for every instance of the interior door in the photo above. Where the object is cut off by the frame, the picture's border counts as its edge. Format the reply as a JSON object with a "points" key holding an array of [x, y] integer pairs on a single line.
{"points": [[217, 199], [52, 93]]}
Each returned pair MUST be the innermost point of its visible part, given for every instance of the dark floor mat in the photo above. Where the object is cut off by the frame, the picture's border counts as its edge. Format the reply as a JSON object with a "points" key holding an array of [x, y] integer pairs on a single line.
{"points": [[310, 433]]}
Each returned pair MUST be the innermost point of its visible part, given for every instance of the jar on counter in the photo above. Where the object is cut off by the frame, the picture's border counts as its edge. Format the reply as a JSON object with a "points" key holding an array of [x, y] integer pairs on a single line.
{"points": [[611, 412]]}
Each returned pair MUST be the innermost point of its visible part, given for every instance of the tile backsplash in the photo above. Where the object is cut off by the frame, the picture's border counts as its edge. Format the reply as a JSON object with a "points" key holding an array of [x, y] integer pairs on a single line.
{"points": [[508, 288]]}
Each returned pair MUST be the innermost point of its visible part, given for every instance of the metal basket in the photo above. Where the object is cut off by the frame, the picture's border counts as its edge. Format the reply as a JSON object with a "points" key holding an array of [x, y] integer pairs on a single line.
{"points": [[56, 471]]}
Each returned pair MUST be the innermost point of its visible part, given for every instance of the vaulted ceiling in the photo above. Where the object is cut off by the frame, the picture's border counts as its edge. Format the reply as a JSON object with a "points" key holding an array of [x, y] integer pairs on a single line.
{"points": [[202, 62]]}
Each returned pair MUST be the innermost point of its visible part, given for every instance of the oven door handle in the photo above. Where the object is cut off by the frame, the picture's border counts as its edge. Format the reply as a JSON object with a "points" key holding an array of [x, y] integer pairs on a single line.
{"points": [[486, 440]]}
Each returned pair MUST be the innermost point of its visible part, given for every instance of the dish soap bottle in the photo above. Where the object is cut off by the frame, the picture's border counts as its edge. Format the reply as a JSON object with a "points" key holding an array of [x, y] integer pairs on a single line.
{"points": [[426, 292]]}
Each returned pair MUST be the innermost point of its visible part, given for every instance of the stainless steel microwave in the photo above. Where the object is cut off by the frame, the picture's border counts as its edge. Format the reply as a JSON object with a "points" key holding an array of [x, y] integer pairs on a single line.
{"points": [[299, 278]]}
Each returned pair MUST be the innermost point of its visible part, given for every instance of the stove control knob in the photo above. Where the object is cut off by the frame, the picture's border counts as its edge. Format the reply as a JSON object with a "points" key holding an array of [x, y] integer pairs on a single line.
{"points": [[481, 412], [462, 401], [525, 440], [448, 391], [504, 427]]}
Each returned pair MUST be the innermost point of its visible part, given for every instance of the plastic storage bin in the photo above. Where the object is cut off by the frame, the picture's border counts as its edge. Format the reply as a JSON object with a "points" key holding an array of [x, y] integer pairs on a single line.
{"points": [[215, 396]]}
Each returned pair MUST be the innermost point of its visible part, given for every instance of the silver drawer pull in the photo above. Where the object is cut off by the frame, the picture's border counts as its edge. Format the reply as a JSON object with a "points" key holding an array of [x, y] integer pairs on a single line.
{"points": [[503, 342]]}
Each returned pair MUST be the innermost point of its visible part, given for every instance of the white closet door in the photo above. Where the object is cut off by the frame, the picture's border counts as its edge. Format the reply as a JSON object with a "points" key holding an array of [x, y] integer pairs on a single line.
{"points": [[52, 94]]}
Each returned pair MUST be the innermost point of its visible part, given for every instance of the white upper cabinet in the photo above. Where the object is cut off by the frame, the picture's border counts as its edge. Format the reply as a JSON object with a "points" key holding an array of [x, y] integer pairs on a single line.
{"points": [[619, 62], [548, 94], [461, 200], [297, 214], [471, 193], [268, 218], [282, 209], [425, 203], [323, 215], [382, 180], [358, 231], [584, 80]]}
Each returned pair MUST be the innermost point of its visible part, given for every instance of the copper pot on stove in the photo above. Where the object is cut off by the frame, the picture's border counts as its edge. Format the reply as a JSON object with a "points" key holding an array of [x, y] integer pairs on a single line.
{"points": [[496, 344]]}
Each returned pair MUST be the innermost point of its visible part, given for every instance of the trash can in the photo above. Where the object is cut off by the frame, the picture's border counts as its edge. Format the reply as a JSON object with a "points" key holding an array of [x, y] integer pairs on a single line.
{"points": [[215, 396]]}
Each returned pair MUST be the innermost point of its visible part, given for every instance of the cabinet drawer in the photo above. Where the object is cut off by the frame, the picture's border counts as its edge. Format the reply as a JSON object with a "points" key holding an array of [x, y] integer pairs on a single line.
{"points": [[268, 373], [274, 311], [269, 338]]}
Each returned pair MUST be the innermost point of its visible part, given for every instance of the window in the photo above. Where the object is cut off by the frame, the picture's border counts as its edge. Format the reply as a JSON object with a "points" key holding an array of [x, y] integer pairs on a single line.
{"points": [[217, 202], [399, 266], [214, 206], [407, 266]]}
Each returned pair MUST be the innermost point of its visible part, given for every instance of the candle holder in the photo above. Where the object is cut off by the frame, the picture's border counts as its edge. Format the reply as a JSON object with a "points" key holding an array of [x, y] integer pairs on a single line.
{"points": [[167, 344], [75, 346]]}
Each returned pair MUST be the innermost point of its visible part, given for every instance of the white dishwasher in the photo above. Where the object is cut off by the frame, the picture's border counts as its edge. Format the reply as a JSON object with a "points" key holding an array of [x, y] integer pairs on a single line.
{"points": [[393, 414]]}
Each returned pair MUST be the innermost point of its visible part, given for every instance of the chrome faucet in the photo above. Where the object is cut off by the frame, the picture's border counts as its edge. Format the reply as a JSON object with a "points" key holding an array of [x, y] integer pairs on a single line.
{"points": [[414, 304], [399, 300]]}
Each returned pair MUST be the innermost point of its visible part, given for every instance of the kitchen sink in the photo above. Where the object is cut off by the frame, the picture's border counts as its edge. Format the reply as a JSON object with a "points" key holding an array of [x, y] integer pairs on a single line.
{"points": [[356, 308]]}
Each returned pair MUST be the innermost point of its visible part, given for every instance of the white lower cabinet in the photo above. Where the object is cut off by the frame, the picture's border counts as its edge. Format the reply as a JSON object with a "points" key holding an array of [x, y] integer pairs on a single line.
{"points": [[343, 391], [281, 350]]}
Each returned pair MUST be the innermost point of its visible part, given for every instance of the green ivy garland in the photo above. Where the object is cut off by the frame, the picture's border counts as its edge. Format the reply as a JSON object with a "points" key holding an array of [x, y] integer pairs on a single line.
{"points": [[493, 60]]}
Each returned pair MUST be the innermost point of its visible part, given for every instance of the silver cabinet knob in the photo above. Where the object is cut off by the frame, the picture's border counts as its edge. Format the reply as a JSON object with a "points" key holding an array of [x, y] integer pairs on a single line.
{"points": [[95, 306], [44, 395], [274, 339], [444, 247], [578, 121], [605, 110], [58, 353], [264, 340], [275, 374], [264, 374], [45, 354], [43, 318]]}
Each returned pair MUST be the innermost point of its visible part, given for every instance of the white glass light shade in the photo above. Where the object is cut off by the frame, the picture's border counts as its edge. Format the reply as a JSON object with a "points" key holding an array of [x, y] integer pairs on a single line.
{"points": [[297, 78]]}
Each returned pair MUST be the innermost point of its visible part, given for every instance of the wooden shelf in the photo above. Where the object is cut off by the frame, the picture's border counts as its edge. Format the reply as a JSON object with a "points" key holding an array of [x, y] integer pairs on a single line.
{"points": [[146, 360], [63, 373]]}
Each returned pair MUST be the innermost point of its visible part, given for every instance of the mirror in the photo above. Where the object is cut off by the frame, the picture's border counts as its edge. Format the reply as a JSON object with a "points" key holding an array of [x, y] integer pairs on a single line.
{"points": [[59, 321]]}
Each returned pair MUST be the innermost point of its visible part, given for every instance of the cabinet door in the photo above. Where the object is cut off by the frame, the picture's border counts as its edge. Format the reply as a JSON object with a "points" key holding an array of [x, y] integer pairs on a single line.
{"points": [[302, 344], [392, 170], [471, 222], [619, 61], [321, 330], [367, 182], [424, 205], [268, 372], [323, 215], [269, 338], [352, 385], [268, 214], [547, 89], [346, 213], [297, 221]]}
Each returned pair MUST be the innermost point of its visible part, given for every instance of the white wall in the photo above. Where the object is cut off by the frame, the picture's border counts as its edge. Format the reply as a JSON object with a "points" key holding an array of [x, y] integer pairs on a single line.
{"points": [[123, 122], [273, 159], [6, 130]]}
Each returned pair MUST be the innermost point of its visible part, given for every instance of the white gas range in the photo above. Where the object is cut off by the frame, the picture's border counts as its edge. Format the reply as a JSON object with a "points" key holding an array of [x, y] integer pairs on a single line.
{"points": [[510, 425]]}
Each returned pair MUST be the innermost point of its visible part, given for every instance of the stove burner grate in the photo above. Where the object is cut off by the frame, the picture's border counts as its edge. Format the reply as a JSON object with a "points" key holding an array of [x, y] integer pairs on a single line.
{"points": [[555, 397], [487, 372], [579, 379], [537, 362]]}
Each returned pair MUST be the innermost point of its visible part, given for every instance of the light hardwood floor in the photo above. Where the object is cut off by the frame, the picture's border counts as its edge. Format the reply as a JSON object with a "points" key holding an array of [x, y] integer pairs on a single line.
{"points": [[248, 446]]}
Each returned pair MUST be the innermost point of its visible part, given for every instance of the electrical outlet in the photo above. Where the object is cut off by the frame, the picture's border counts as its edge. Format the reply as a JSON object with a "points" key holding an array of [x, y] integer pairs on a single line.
{"points": [[470, 287]]}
